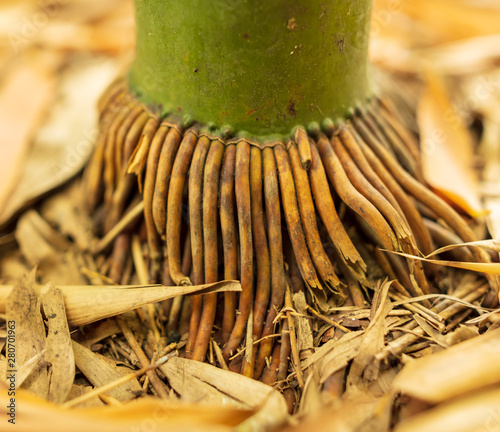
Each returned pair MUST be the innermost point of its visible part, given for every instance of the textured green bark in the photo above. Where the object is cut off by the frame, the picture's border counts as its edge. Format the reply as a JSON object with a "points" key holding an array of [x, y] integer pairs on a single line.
{"points": [[261, 66]]}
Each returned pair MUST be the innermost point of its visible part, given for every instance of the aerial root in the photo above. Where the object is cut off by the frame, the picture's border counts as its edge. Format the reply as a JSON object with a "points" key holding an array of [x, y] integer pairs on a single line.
{"points": [[277, 216]]}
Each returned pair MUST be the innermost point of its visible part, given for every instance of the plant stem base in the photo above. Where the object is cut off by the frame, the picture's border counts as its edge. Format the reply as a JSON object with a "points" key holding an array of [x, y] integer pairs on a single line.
{"points": [[311, 216]]}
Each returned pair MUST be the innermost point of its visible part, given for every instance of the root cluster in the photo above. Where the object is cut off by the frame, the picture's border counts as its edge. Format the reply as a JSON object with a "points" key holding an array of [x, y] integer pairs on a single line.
{"points": [[313, 213]]}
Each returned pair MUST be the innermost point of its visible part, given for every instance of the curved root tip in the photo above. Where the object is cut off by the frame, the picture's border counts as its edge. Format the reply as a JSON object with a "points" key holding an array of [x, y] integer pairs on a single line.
{"points": [[185, 282]]}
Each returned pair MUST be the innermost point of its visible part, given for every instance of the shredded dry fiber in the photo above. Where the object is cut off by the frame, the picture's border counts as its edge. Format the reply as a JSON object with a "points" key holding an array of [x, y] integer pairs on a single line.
{"points": [[310, 214]]}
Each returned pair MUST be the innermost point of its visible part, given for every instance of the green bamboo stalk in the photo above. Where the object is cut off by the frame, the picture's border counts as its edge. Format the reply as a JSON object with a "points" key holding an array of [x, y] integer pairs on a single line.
{"points": [[262, 67]]}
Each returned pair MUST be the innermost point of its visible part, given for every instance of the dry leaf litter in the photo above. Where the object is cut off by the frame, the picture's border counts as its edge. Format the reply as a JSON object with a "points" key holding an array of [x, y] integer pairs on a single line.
{"points": [[92, 354]]}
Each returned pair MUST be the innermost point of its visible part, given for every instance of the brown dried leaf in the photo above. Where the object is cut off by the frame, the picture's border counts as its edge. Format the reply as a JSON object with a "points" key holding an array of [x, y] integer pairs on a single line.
{"points": [[461, 334], [489, 268], [37, 240], [33, 246], [11, 266], [79, 390], [46, 248], [27, 368], [64, 143], [353, 415], [59, 352], [311, 400], [464, 367], [478, 412], [70, 36], [89, 303], [35, 414], [431, 22], [373, 341], [305, 339], [493, 245], [64, 210], [472, 55], [100, 372], [490, 147], [447, 152], [203, 383], [23, 312], [98, 332], [431, 331], [492, 316], [335, 354], [24, 97]]}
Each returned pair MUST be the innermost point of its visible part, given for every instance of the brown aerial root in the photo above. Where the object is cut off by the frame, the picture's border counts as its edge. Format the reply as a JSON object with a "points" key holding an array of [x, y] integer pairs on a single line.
{"points": [[293, 221], [162, 181], [196, 232], [174, 205], [388, 207], [385, 184], [273, 219], [374, 150], [149, 186], [352, 197], [308, 218], [309, 214], [244, 213], [229, 237], [210, 192], [262, 255]]}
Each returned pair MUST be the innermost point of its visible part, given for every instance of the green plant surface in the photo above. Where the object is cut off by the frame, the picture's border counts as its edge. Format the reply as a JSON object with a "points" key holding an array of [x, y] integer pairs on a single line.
{"points": [[261, 67]]}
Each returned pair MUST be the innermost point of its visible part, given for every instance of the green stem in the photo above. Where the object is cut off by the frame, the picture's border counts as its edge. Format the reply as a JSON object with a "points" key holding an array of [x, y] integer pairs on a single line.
{"points": [[256, 66]]}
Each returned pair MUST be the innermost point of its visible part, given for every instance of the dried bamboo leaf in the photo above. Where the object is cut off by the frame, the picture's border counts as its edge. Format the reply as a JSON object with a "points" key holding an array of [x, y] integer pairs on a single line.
{"points": [[492, 315], [305, 339], [66, 36], [59, 347], [335, 354], [490, 149], [354, 415], [464, 367], [100, 331], [469, 56], [23, 315], [430, 23], [200, 382], [88, 303], [461, 334], [429, 313], [34, 247], [311, 401], [64, 210], [492, 244], [373, 340], [79, 390], [447, 151], [35, 414], [102, 391], [27, 368], [431, 331], [194, 390], [478, 412], [99, 372], [489, 268], [34, 78], [64, 143], [46, 248]]}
